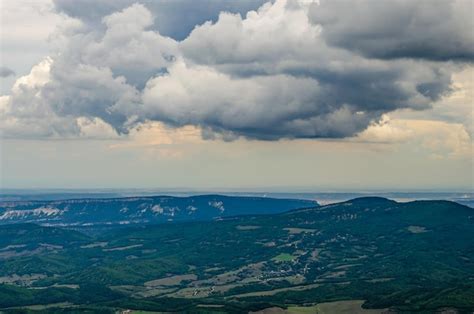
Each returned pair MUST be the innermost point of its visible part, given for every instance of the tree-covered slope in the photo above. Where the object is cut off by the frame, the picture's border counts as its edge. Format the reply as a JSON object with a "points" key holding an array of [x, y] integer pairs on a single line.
{"points": [[132, 210], [416, 256]]}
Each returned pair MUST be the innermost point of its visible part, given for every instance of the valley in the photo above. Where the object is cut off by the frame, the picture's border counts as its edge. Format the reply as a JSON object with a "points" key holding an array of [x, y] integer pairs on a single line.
{"points": [[398, 257]]}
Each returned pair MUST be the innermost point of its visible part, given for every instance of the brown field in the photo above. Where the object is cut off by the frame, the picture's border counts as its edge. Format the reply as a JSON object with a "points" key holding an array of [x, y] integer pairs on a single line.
{"points": [[42, 307], [417, 229], [94, 245], [122, 248], [170, 281], [299, 230], [275, 291], [338, 307]]}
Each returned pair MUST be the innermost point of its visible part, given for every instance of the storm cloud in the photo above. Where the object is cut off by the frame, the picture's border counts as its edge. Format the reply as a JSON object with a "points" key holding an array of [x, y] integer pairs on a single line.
{"points": [[288, 69], [424, 29]]}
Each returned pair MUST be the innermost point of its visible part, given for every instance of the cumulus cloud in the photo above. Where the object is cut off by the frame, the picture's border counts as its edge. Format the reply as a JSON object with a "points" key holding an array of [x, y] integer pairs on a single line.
{"points": [[456, 107], [425, 29], [126, 46], [175, 19], [40, 107], [264, 107], [24, 113], [439, 138], [348, 90], [269, 74], [386, 131]]}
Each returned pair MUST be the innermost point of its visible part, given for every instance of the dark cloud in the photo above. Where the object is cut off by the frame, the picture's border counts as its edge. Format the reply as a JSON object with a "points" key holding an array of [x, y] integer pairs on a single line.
{"points": [[348, 91], [174, 18], [277, 72], [425, 29], [6, 72]]}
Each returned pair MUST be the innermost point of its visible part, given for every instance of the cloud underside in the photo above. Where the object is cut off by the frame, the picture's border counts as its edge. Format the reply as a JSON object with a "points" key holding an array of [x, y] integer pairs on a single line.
{"points": [[289, 69]]}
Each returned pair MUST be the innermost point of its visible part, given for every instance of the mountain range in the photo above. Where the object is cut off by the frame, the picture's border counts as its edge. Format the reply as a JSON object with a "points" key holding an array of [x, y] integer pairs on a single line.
{"points": [[139, 210]]}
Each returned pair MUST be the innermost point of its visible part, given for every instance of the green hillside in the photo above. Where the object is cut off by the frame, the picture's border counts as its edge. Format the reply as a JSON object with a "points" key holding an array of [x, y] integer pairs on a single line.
{"points": [[416, 256]]}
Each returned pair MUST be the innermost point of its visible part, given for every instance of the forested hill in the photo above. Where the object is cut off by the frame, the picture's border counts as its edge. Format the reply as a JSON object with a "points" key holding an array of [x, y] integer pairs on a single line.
{"points": [[132, 210], [406, 257]]}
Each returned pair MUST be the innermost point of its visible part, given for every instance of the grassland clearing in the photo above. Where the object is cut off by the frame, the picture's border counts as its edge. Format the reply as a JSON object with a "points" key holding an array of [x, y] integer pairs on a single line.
{"points": [[170, 281], [284, 257], [275, 291]]}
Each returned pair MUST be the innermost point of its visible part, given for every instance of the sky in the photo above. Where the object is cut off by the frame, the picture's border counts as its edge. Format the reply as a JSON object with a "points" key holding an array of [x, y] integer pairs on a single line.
{"points": [[216, 94]]}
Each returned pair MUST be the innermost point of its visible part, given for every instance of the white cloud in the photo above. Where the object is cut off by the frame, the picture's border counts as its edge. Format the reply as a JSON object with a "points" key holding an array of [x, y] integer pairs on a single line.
{"points": [[454, 107], [26, 26], [128, 48], [25, 113], [273, 34], [441, 139], [385, 131], [95, 128]]}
